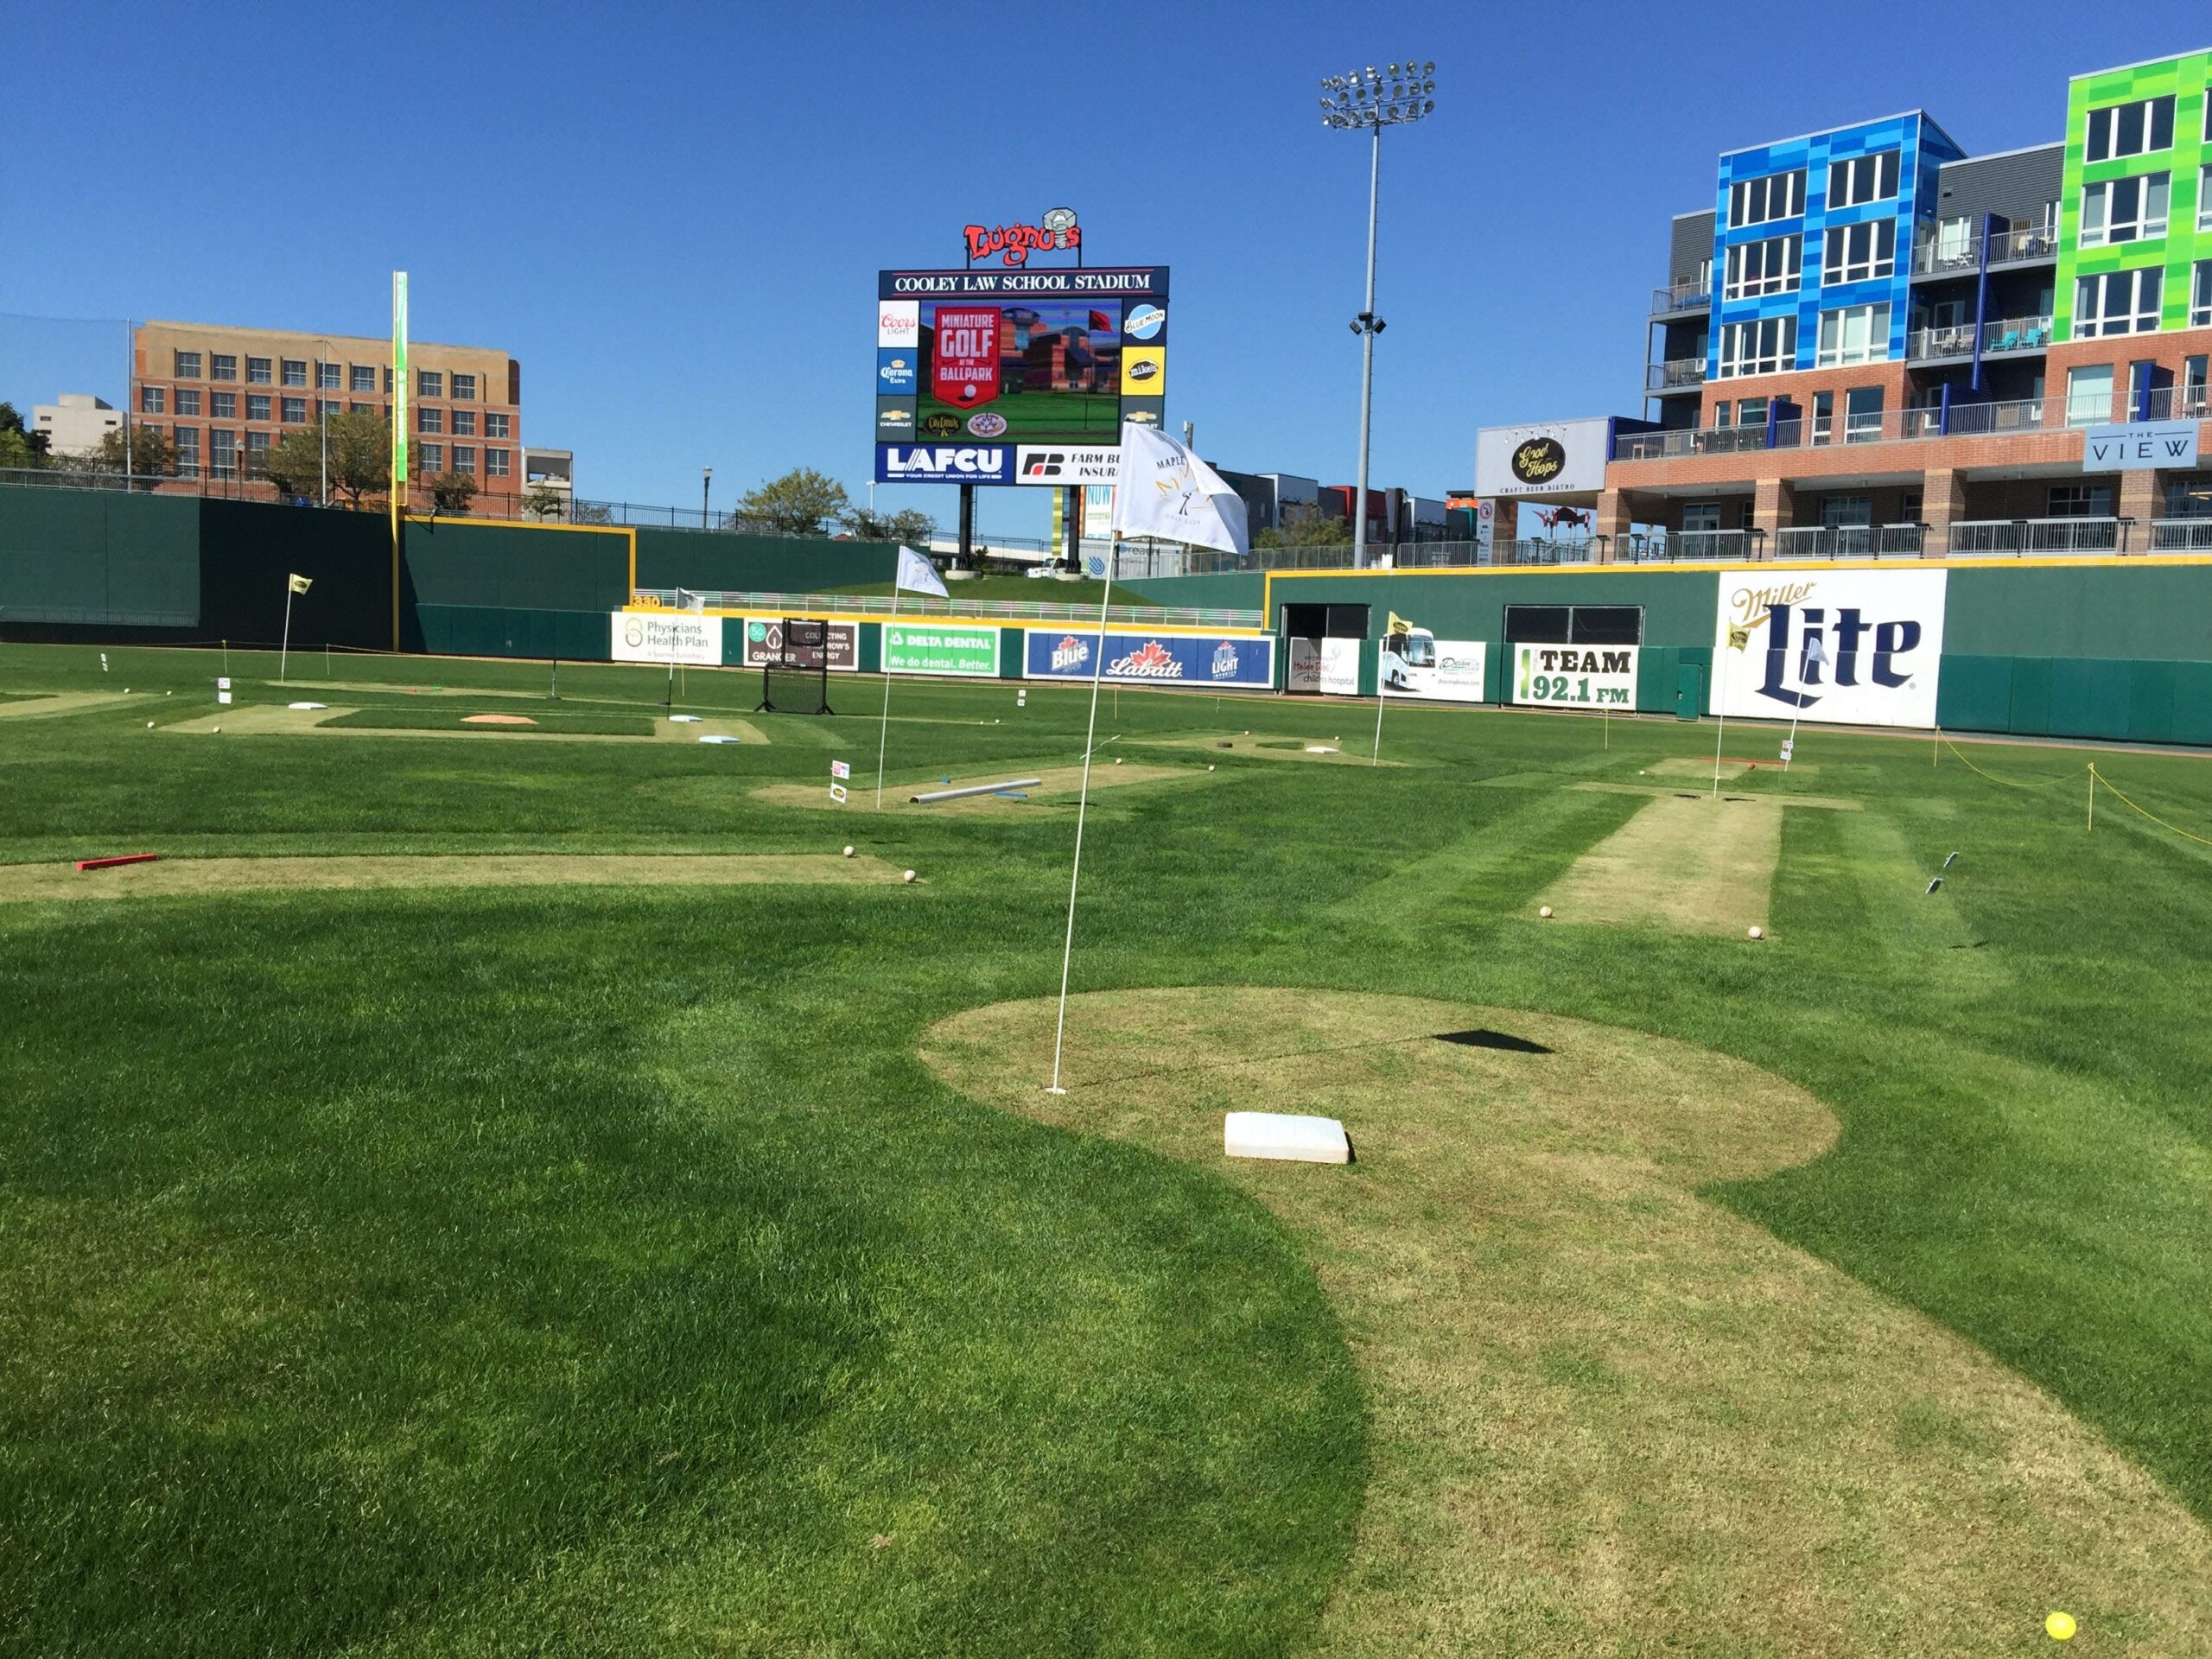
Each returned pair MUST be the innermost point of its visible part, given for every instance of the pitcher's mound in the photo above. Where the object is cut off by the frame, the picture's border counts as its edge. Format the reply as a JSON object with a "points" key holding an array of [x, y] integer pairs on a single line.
{"points": [[496, 720]]}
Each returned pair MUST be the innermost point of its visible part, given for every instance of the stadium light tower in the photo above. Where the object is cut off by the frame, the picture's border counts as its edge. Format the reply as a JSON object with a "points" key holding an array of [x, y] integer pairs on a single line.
{"points": [[1373, 99]]}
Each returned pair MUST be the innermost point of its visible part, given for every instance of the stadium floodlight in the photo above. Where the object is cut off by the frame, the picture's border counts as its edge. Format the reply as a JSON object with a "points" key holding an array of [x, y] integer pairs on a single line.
{"points": [[1373, 100]]}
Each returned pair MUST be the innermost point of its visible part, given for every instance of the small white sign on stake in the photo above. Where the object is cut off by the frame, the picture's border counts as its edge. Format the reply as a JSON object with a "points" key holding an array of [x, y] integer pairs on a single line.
{"points": [[838, 793], [840, 769]]}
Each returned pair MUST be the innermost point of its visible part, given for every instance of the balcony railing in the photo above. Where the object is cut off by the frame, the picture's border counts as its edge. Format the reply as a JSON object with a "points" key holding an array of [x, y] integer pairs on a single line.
{"points": [[2180, 535], [2032, 242], [1849, 542], [1543, 552], [2016, 335], [1980, 420], [1692, 294], [1941, 256], [1691, 546], [2174, 403], [1674, 374], [1905, 425], [2046, 535], [1690, 441], [1952, 340]]}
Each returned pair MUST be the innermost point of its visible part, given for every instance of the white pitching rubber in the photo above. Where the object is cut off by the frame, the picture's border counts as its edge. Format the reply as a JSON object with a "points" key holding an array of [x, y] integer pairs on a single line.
{"points": [[1285, 1135]]}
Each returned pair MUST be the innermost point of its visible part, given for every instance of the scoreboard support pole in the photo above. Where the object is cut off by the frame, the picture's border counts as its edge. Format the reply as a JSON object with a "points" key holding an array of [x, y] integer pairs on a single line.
{"points": [[967, 526]]}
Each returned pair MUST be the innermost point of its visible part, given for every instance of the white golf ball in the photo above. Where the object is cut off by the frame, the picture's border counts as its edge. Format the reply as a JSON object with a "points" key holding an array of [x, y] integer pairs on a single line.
{"points": [[907, 877], [1117, 759], [126, 691], [1758, 932], [1209, 766], [1545, 911], [219, 729], [150, 724], [848, 852]]}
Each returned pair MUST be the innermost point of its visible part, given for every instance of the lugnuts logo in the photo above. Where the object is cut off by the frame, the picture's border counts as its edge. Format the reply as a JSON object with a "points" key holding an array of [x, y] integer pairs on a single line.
{"points": [[1013, 243], [1539, 460]]}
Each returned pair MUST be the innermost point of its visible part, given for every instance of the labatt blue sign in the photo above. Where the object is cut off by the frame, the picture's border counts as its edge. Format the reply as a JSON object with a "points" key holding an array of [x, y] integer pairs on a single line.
{"points": [[1208, 659]]}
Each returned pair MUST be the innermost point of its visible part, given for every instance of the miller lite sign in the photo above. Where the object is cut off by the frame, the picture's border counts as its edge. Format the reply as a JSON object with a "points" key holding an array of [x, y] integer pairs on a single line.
{"points": [[1850, 648]]}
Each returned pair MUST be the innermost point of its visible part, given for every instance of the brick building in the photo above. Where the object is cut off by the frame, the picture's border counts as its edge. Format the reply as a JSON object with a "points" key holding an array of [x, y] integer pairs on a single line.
{"points": [[1875, 344], [225, 395]]}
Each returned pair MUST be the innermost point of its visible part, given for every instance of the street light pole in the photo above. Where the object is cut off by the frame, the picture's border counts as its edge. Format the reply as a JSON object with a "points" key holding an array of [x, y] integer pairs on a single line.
{"points": [[322, 424], [706, 489], [1373, 99]]}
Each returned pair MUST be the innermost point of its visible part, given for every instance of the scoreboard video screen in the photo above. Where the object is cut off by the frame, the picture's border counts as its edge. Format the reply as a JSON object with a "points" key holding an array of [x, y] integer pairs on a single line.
{"points": [[1015, 377]]}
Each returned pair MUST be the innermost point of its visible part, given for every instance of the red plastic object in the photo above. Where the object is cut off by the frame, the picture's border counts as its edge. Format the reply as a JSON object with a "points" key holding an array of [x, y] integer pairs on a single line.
{"points": [[108, 863]]}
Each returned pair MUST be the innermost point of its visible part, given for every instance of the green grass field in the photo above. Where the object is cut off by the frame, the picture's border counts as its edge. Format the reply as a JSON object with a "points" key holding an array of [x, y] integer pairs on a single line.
{"points": [[631, 1266]]}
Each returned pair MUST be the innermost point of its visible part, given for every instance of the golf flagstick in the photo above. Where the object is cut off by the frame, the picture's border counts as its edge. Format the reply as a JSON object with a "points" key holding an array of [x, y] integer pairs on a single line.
{"points": [[1736, 638], [883, 733], [1376, 759], [284, 650], [1082, 802]]}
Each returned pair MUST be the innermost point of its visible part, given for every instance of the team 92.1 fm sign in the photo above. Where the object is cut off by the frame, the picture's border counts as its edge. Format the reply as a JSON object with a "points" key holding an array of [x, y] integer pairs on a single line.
{"points": [[1575, 676], [1205, 659]]}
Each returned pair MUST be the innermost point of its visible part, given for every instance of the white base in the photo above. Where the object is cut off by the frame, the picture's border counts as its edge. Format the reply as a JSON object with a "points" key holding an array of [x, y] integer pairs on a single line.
{"points": [[1283, 1134]]}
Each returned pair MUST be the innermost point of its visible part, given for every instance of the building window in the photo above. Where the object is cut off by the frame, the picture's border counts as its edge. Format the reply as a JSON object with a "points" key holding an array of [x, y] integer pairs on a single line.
{"points": [[1859, 253], [326, 409], [1767, 267], [223, 365], [1846, 512], [2204, 184], [2200, 299], [150, 400], [495, 463], [432, 456], [187, 400], [1857, 333], [258, 371], [329, 376], [1763, 346], [464, 423], [428, 383], [1865, 178], [188, 366], [1761, 202], [1862, 414], [2080, 501], [295, 371], [495, 425], [430, 420], [295, 411], [224, 405], [2118, 302], [2088, 395], [1700, 516], [2123, 210], [365, 377], [1751, 412], [387, 382], [1823, 416], [221, 446], [187, 450], [257, 405], [464, 388], [360, 409], [464, 458], [2130, 129], [256, 443]]}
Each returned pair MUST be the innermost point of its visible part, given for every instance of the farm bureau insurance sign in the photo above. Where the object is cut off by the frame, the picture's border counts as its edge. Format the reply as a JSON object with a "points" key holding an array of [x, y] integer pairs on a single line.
{"points": [[667, 636], [1154, 658], [1881, 631], [1575, 677], [940, 648]]}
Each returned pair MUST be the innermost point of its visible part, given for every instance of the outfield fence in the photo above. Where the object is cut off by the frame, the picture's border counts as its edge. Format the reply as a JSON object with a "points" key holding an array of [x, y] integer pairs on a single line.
{"points": [[923, 605]]}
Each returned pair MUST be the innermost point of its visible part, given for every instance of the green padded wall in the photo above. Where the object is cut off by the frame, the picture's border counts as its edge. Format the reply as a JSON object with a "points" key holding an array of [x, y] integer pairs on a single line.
{"points": [[499, 631], [94, 558], [1237, 592], [758, 564], [248, 549], [453, 562], [1678, 605]]}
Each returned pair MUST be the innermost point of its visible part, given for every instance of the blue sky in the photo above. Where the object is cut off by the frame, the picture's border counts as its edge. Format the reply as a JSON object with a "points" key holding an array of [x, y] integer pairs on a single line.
{"points": [[673, 216]]}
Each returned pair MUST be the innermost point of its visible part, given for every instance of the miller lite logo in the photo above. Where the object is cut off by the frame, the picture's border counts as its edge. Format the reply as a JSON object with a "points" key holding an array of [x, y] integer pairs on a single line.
{"points": [[1858, 648]]}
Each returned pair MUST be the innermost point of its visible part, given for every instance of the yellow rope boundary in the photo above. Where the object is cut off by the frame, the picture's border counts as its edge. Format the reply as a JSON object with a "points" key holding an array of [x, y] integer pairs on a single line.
{"points": [[2098, 779], [2003, 783]]}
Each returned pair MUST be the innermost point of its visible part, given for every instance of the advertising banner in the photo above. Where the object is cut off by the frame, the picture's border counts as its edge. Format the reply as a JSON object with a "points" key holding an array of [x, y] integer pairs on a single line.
{"points": [[965, 365], [1210, 659], [2169, 444], [938, 647], [1879, 634], [1575, 676], [1318, 666], [763, 643], [932, 463], [895, 372], [668, 637], [1552, 458], [1448, 671], [1060, 467]]}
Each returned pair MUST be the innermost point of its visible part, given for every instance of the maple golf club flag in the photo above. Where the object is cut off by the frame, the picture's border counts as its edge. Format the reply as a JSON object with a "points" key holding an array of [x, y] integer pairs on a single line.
{"points": [[300, 584], [1163, 490], [918, 576]]}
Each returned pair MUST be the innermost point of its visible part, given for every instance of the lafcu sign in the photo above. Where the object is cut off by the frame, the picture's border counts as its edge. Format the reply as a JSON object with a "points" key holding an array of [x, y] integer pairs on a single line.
{"points": [[1856, 648], [1013, 243]]}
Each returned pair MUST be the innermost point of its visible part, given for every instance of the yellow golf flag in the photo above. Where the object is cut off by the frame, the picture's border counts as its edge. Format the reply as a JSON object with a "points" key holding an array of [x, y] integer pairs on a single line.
{"points": [[1739, 637], [1398, 624], [301, 584]]}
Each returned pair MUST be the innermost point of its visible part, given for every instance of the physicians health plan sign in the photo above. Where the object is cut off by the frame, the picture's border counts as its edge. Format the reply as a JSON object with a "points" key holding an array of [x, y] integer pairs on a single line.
{"points": [[1881, 634], [1201, 659], [668, 637], [1575, 676], [940, 648]]}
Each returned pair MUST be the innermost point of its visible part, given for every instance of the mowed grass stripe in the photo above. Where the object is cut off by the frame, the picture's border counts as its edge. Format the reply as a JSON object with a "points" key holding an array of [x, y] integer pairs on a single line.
{"points": [[1696, 865]]}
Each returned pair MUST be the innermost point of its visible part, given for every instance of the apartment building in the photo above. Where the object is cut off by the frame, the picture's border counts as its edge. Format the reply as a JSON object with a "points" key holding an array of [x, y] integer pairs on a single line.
{"points": [[225, 395], [1875, 343]]}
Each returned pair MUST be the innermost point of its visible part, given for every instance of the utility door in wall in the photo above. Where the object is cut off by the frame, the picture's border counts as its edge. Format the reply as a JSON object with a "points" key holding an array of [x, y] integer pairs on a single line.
{"points": [[1689, 690]]}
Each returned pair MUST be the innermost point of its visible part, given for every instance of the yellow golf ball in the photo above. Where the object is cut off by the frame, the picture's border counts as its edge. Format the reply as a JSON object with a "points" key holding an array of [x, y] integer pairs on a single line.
{"points": [[2059, 1627]]}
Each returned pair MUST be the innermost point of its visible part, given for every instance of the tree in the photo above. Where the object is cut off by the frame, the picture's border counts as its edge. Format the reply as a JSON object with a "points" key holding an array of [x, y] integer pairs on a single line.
{"points": [[360, 457], [152, 455], [542, 501], [1319, 530], [450, 491], [22, 448], [797, 504], [911, 525]]}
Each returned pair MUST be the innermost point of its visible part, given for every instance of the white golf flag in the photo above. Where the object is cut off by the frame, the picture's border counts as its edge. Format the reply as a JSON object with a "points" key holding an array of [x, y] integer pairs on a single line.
{"points": [[1163, 490], [1816, 651], [918, 576]]}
